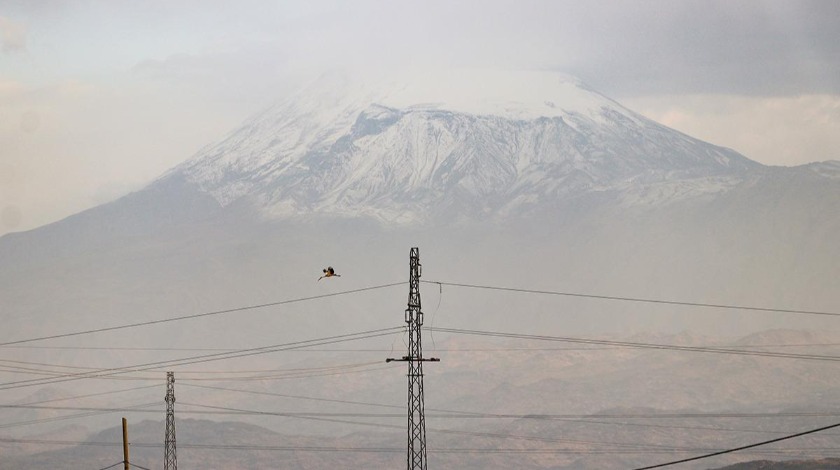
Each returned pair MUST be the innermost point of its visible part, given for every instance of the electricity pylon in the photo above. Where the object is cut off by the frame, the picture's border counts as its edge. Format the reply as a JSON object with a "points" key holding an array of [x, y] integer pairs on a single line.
{"points": [[170, 460], [416, 456]]}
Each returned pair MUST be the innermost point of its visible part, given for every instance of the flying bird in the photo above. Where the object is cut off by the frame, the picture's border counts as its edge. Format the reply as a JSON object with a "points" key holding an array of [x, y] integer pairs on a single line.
{"points": [[329, 272]]}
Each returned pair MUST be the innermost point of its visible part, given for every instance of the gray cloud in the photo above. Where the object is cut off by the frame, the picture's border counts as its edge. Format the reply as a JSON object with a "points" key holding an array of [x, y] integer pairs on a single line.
{"points": [[753, 47], [745, 47], [13, 35], [630, 48]]}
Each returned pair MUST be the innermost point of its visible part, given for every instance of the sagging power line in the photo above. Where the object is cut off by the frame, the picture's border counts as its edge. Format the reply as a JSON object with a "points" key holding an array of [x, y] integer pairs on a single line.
{"points": [[199, 315], [109, 372], [737, 449], [637, 345], [441, 283], [635, 299]]}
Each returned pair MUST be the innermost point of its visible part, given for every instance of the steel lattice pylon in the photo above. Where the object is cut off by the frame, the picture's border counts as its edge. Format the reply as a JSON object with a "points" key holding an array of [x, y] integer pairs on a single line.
{"points": [[416, 457], [170, 459]]}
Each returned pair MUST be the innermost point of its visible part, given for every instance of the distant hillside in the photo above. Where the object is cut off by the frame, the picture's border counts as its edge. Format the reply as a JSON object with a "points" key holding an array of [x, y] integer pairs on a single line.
{"points": [[490, 405], [205, 444], [821, 464]]}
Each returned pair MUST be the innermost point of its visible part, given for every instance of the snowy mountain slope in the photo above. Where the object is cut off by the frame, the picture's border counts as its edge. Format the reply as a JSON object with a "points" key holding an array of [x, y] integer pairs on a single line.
{"points": [[508, 143]]}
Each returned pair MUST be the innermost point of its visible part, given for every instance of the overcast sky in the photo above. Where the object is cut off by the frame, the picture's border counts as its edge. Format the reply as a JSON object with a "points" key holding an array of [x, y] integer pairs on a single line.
{"points": [[97, 98]]}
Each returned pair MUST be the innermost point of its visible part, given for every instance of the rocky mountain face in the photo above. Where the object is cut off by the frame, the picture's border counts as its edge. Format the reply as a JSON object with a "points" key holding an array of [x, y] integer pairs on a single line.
{"points": [[341, 150]]}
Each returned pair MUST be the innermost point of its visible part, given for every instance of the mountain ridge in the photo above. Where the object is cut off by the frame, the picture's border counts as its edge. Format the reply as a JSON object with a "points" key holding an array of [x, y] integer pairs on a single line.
{"points": [[365, 155]]}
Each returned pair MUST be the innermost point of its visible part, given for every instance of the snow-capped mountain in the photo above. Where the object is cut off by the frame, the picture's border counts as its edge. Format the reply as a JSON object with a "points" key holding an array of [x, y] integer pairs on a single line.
{"points": [[463, 143]]}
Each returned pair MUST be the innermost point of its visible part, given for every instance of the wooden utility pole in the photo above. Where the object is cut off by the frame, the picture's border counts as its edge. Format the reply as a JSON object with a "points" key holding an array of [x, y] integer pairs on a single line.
{"points": [[126, 465]]}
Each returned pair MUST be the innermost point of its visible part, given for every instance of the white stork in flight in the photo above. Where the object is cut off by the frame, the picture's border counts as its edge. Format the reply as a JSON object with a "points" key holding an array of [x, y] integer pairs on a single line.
{"points": [[329, 272]]}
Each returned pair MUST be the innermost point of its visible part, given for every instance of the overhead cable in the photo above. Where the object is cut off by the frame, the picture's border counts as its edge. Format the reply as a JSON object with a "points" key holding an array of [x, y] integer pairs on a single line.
{"points": [[138, 408], [112, 466], [111, 392], [201, 315], [630, 344], [635, 299], [729, 451], [451, 450], [109, 372]]}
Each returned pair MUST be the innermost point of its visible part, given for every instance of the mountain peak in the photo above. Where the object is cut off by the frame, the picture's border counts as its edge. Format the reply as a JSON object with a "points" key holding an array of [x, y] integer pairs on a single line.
{"points": [[513, 94], [466, 142]]}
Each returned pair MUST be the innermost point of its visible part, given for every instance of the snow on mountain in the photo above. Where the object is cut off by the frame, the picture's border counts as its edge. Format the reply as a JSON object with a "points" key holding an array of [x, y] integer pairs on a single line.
{"points": [[407, 147], [523, 95]]}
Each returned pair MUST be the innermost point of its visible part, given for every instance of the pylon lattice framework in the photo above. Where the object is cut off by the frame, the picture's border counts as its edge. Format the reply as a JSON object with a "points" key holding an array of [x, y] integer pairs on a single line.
{"points": [[170, 460], [416, 452]]}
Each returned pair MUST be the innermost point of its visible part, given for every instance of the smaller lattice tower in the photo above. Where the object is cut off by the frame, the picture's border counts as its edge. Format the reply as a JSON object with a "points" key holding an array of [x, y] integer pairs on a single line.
{"points": [[170, 460]]}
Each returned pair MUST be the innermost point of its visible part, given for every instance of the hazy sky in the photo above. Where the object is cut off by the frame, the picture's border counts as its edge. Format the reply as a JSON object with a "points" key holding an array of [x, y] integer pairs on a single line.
{"points": [[97, 98]]}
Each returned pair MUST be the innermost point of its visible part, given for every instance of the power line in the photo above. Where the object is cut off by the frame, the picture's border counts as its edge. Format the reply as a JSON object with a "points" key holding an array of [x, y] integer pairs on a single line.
{"points": [[672, 426], [728, 451], [311, 417], [112, 466], [350, 369], [200, 315], [110, 372], [642, 448], [444, 413], [449, 414], [247, 352], [379, 350], [83, 396], [299, 397], [570, 420], [75, 408], [313, 373], [115, 348], [624, 415], [78, 415], [451, 450], [629, 344], [204, 358], [635, 299], [441, 431], [270, 373]]}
